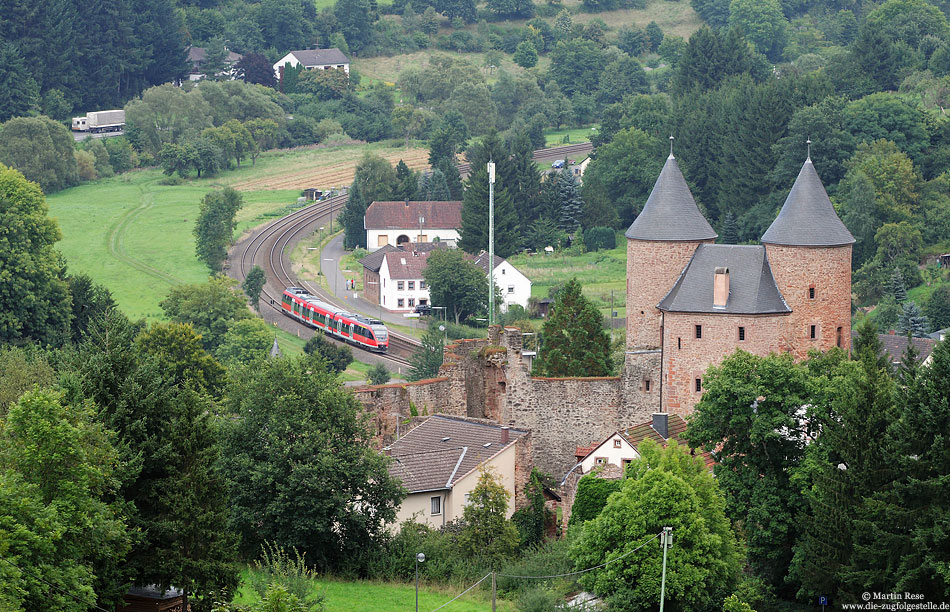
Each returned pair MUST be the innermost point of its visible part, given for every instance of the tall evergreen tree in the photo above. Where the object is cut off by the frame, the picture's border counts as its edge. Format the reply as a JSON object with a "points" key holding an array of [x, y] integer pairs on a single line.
{"points": [[526, 178], [453, 180], [730, 229], [574, 340], [474, 232], [569, 193], [898, 290], [426, 360], [351, 218], [406, 182], [912, 321], [846, 466], [437, 189]]}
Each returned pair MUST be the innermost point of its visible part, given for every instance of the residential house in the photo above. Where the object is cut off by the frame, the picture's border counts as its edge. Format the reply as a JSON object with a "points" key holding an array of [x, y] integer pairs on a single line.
{"points": [[610, 457], [196, 59], [896, 344], [371, 265], [401, 222], [402, 286], [440, 460], [313, 59], [941, 334], [514, 286]]}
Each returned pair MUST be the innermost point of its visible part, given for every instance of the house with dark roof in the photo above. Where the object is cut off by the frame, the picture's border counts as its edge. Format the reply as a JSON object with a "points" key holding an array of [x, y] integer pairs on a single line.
{"points": [[313, 59], [895, 345], [440, 460], [404, 221], [196, 59], [691, 302]]}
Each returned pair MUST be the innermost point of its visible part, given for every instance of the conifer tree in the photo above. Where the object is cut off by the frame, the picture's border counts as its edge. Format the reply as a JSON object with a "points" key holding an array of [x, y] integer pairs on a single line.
{"points": [[453, 180], [912, 321], [526, 178], [898, 290], [351, 218], [730, 229], [574, 340], [406, 182], [438, 187], [569, 193], [427, 359], [474, 231]]}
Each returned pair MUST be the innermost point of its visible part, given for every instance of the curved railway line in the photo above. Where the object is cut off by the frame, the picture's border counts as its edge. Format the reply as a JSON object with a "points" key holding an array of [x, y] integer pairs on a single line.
{"points": [[269, 246]]}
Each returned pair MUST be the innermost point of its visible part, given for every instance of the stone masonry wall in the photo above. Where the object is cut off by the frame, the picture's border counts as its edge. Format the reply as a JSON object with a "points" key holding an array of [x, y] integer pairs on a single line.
{"points": [[652, 269], [796, 269], [686, 357]]}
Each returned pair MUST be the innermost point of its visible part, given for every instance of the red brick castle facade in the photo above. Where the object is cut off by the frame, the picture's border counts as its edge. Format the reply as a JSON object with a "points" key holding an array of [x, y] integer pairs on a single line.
{"points": [[692, 302]]}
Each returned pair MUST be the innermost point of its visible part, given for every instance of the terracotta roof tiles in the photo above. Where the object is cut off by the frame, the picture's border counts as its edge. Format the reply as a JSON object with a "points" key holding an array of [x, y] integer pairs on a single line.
{"points": [[405, 215]]}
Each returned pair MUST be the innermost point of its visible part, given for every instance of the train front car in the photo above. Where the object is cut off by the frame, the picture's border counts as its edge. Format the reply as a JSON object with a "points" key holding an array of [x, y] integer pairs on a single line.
{"points": [[382, 335]]}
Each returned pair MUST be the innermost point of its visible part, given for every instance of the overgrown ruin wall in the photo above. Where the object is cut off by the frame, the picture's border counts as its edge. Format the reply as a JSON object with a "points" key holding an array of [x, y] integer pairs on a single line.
{"points": [[490, 378]]}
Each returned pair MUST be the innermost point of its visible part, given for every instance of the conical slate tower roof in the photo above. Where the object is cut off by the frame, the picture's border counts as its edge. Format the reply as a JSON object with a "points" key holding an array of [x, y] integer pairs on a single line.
{"points": [[808, 217], [670, 212]]}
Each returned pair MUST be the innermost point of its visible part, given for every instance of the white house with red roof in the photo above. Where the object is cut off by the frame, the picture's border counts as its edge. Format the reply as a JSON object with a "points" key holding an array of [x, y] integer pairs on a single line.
{"points": [[401, 222], [401, 286]]}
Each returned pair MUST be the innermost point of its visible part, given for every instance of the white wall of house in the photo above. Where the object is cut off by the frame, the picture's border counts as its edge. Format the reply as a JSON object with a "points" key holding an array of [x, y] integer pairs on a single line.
{"points": [[515, 286], [615, 450], [410, 291], [376, 238], [291, 59], [452, 501]]}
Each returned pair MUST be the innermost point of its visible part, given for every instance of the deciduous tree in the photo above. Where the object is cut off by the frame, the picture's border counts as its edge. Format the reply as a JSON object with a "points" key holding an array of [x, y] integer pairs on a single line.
{"points": [[210, 307], [215, 226], [253, 284], [456, 284], [41, 149]]}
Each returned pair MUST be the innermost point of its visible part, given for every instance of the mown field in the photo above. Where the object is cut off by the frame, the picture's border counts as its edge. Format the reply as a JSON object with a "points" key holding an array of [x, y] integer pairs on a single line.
{"points": [[367, 596]]}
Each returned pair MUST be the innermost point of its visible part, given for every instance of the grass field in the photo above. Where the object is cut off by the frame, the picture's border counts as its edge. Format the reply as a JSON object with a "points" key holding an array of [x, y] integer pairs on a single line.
{"points": [[554, 138], [608, 267], [385, 597]]}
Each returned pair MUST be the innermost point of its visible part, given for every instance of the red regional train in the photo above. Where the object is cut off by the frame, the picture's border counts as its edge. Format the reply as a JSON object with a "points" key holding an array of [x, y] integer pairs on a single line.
{"points": [[368, 333]]}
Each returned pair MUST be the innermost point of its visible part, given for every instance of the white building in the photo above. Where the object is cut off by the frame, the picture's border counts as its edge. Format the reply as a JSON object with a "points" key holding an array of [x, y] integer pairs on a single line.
{"points": [[401, 222], [313, 59], [514, 286], [401, 286]]}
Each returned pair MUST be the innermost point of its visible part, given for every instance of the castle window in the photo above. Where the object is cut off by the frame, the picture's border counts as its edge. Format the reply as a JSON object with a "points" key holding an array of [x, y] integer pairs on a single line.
{"points": [[741, 334], [838, 337], [646, 385], [616, 443], [699, 332], [813, 332], [699, 385], [811, 292], [679, 343]]}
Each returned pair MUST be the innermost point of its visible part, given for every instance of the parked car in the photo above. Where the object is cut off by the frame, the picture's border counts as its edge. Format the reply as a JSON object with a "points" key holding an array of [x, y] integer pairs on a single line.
{"points": [[424, 309], [558, 163]]}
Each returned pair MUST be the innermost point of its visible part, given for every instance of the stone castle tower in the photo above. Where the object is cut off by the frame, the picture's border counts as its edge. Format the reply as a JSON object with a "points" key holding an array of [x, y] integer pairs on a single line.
{"points": [[691, 302]]}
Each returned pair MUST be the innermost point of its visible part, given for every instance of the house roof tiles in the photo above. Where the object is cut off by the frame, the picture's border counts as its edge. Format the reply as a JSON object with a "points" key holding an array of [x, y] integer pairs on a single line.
{"points": [[441, 450], [752, 288], [808, 218], [405, 265], [320, 57], [895, 345], [670, 212], [405, 215], [374, 261]]}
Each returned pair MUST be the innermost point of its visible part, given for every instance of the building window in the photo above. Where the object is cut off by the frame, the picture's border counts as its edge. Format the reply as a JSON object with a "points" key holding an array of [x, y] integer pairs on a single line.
{"points": [[412, 302], [400, 285], [400, 303], [811, 292], [511, 288], [616, 443], [699, 332], [502, 270], [468, 498], [813, 332], [679, 343], [422, 284], [600, 461], [646, 385], [741, 334], [838, 337], [412, 285], [699, 385], [436, 503]]}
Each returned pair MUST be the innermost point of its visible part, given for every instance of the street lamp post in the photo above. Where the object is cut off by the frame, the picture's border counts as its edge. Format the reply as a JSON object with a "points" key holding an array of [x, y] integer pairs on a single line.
{"points": [[420, 557]]}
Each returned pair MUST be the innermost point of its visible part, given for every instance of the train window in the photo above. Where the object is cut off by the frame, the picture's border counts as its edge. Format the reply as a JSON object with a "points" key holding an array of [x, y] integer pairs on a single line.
{"points": [[286, 299]]}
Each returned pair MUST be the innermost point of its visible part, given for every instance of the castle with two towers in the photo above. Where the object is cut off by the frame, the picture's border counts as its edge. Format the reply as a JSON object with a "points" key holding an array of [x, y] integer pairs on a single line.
{"points": [[690, 303]]}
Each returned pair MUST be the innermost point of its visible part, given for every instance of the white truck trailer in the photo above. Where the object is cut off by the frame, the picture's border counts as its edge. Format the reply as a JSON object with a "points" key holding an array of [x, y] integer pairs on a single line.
{"points": [[100, 121]]}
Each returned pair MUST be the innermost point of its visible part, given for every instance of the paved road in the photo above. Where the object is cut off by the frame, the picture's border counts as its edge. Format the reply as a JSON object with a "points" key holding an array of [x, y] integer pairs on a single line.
{"points": [[352, 299]]}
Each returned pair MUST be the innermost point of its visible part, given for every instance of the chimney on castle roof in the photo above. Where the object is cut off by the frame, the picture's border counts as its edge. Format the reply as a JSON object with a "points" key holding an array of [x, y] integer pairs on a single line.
{"points": [[720, 287], [505, 435], [407, 202]]}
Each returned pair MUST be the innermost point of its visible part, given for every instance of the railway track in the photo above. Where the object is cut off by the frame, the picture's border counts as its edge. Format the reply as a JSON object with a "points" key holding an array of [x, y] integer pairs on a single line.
{"points": [[269, 247]]}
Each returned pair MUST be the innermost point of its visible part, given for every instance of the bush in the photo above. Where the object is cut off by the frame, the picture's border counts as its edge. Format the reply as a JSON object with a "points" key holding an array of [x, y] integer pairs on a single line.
{"points": [[276, 565], [597, 238], [379, 375], [592, 494], [337, 357], [547, 559]]}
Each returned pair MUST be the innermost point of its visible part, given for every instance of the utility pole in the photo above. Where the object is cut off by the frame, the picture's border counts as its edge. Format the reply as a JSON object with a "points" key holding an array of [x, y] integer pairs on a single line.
{"points": [[666, 539], [493, 591], [491, 257]]}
